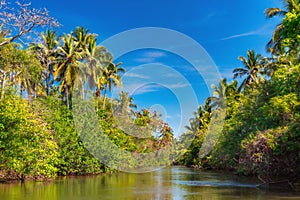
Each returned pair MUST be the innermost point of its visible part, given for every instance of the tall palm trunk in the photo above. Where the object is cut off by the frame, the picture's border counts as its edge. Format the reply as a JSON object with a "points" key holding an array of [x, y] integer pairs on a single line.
{"points": [[34, 90], [21, 89], [83, 92], [3, 87], [67, 95], [47, 84]]}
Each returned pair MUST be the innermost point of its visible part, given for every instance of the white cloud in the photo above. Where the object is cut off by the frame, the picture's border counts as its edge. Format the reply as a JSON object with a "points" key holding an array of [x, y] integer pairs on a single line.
{"points": [[150, 57], [177, 85], [137, 88], [208, 17], [242, 35], [135, 75], [264, 30], [145, 60], [155, 54], [171, 75]]}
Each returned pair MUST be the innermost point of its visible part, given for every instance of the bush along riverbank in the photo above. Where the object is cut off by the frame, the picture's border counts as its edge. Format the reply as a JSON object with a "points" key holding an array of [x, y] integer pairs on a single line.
{"points": [[261, 134], [39, 139]]}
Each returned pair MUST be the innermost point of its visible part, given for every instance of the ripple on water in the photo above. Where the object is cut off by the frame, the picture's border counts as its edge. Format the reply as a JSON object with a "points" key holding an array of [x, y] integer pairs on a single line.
{"points": [[215, 184]]}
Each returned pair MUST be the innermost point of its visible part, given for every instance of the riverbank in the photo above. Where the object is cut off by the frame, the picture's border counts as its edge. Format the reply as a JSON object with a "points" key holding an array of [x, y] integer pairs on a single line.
{"points": [[280, 184]]}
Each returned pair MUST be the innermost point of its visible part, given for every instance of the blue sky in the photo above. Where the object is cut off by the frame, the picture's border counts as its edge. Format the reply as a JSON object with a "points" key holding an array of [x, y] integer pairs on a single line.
{"points": [[225, 29]]}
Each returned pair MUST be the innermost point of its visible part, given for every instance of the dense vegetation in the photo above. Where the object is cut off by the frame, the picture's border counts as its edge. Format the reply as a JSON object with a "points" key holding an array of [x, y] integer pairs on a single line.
{"points": [[261, 134], [39, 139], [38, 136]]}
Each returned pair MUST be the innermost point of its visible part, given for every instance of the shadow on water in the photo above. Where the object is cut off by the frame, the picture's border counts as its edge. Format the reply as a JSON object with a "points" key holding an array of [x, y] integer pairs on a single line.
{"points": [[167, 183]]}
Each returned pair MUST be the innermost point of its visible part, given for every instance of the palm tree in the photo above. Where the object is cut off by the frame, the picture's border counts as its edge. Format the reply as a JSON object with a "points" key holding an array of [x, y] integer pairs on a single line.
{"points": [[46, 54], [94, 68], [275, 44], [110, 76], [218, 100], [83, 37], [68, 68], [125, 105], [201, 118], [251, 69], [193, 127], [29, 74], [19, 68]]}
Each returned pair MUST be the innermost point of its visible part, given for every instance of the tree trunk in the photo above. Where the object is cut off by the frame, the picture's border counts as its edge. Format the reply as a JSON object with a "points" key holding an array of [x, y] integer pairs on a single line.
{"points": [[67, 95], [104, 98], [47, 83], [83, 96], [3, 87], [34, 90], [21, 90]]}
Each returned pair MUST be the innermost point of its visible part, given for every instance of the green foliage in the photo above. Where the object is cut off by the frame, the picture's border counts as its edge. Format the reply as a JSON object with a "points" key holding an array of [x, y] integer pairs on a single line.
{"points": [[27, 145], [261, 136], [261, 131], [291, 32], [39, 139], [19, 69], [74, 159]]}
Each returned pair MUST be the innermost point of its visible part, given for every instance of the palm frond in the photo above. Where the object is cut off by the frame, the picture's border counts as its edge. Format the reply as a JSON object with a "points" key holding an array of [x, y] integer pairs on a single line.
{"points": [[271, 12]]}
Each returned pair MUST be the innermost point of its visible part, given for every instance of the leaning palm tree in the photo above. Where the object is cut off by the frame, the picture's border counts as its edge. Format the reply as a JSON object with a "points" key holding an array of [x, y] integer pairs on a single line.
{"points": [[251, 69], [275, 44]]}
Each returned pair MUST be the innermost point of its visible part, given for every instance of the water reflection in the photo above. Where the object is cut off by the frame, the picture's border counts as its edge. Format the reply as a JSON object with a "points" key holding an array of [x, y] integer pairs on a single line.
{"points": [[168, 183]]}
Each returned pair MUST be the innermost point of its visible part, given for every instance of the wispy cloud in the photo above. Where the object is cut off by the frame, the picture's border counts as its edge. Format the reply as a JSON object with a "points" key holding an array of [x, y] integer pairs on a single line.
{"points": [[155, 54], [135, 75], [138, 89], [150, 56], [186, 68], [264, 30], [208, 17], [145, 60], [171, 75], [242, 35], [169, 116], [203, 19], [177, 85], [146, 89]]}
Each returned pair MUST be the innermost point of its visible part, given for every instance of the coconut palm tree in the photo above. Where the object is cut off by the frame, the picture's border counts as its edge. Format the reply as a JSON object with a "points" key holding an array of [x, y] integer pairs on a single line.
{"points": [[218, 100], [68, 68], [201, 118], [83, 37], [46, 51], [110, 75], [251, 69], [93, 66], [275, 44], [124, 105]]}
